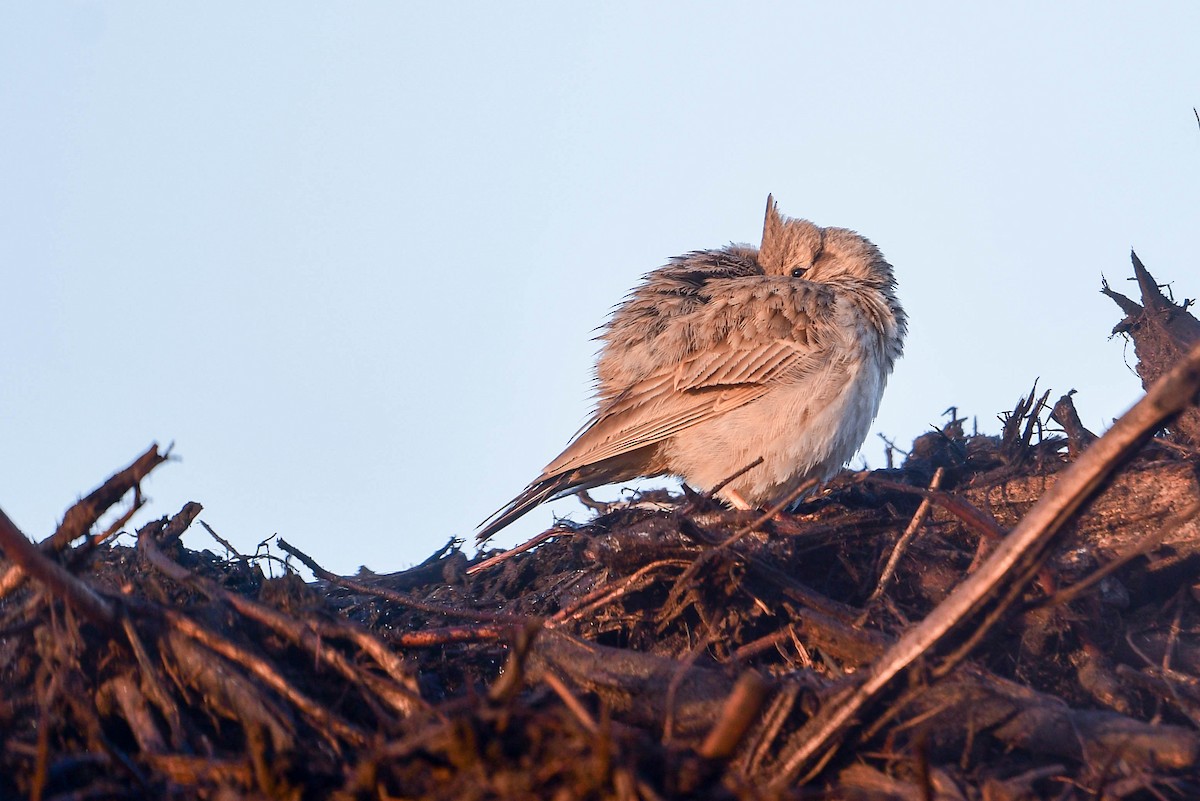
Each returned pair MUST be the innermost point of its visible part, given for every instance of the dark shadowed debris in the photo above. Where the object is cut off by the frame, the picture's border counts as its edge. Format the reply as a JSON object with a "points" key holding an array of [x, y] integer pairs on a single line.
{"points": [[675, 650]]}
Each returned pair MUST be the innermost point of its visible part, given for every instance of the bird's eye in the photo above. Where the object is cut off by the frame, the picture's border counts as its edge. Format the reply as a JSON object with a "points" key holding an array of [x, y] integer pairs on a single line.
{"points": [[798, 272]]}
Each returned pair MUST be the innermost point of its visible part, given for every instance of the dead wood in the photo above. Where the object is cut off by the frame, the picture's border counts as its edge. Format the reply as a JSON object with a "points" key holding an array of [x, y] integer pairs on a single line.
{"points": [[1078, 437], [1162, 332]]}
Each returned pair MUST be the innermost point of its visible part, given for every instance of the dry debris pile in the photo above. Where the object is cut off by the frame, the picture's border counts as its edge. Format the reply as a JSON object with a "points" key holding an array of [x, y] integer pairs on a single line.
{"points": [[999, 618]]}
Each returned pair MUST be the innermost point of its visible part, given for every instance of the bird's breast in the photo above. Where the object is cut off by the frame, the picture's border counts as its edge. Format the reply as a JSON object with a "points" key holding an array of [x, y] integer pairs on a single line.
{"points": [[801, 430]]}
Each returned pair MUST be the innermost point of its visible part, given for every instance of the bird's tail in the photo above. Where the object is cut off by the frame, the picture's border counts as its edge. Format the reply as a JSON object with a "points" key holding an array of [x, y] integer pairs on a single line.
{"points": [[536, 493], [554, 486]]}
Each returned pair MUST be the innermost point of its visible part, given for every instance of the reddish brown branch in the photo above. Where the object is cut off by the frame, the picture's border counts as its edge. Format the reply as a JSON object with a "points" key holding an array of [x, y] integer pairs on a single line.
{"points": [[53, 576], [84, 514]]}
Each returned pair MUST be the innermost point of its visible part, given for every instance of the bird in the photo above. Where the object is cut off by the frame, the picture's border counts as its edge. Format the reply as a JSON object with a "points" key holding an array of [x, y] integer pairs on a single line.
{"points": [[775, 356]]}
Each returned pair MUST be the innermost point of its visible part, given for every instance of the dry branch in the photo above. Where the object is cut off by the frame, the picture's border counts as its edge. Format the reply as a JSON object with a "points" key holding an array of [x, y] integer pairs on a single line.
{"points": [[1162, 334], [84, 513]]}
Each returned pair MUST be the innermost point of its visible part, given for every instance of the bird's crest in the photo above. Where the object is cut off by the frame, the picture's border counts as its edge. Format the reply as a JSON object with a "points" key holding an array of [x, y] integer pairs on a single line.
{"points": [[771, 249]]}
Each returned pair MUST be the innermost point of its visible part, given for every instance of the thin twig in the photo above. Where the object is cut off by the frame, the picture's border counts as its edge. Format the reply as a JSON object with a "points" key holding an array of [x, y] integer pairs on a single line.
{"points": [[726, 545], [115, 528], [910, 532], [504, 556], [608, 593], [570, 701], [225, 543], [771, 513], [723, 483], [394, 596]]}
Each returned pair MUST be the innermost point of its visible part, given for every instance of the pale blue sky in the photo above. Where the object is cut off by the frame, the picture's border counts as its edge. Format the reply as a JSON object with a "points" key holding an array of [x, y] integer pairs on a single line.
{"points": [[349, 257]]}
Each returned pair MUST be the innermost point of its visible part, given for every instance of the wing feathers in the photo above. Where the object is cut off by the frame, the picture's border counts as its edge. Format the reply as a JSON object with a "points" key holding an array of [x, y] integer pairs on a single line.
{"points": [[753, 337], [746, 365]]}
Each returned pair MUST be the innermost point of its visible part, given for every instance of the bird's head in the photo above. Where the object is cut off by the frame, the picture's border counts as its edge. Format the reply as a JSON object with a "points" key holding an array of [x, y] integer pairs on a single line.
{"points": [[800, 249]]}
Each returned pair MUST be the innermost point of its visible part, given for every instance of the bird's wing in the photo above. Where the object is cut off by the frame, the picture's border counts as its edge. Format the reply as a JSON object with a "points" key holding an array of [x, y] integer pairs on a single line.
{"points": [[704, 336], [747, 334], [730, 366], [702, 387]]}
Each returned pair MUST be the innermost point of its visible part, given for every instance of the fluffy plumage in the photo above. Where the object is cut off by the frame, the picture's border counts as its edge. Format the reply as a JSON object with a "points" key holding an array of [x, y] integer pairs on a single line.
{"points": [[724, 356]]}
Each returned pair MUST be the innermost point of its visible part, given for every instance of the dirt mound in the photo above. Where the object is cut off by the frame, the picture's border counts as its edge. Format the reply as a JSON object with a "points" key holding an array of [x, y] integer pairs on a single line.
{"points": [[999, 617]]}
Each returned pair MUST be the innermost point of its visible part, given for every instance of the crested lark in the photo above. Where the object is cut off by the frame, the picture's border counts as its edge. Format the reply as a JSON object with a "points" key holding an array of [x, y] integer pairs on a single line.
{"points": [[726, 356]]}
